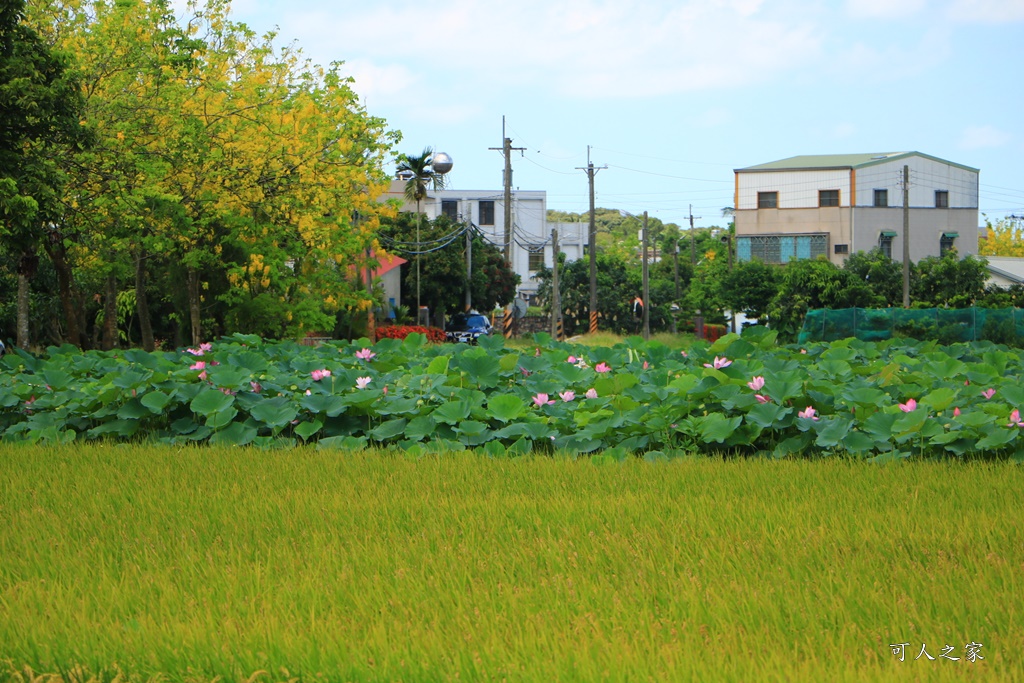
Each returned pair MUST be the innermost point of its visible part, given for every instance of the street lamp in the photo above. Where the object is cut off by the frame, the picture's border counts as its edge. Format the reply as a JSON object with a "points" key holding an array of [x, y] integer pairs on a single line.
{"points": [[440, 164]]}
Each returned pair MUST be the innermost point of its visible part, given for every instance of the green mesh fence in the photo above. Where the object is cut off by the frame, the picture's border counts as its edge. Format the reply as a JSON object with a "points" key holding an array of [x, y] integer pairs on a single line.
{"points": [[948, 326]]}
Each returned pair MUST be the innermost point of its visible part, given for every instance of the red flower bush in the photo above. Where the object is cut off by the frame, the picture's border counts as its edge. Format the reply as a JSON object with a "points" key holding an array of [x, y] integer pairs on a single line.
{"points": [[433, 334], [713, 332]]}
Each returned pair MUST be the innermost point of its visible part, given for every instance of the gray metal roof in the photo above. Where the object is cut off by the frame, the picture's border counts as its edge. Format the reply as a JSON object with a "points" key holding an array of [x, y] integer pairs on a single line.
{"points": [[841, 161]]}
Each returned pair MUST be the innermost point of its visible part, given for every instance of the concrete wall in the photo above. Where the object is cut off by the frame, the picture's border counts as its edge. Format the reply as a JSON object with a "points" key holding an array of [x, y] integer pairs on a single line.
{"points": [[926, 228], [857, 222]]}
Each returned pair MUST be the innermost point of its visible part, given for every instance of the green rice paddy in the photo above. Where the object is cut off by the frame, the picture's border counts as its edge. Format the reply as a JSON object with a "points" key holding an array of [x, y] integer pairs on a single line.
{"points": [[144, 563]]}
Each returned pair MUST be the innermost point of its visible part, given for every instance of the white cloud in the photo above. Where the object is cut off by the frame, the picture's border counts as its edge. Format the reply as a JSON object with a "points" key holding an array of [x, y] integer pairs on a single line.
{"points": [[987, 11], [883, 9], [586, 48], [978, 137]]}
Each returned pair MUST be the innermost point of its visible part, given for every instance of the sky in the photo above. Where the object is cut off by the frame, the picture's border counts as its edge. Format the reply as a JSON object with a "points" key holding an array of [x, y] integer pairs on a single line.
{"points": [[668, 97]]}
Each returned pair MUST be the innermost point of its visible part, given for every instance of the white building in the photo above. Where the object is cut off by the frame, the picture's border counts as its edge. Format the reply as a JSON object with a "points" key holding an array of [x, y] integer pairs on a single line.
{"points": [[531, 232], [835, 205]]}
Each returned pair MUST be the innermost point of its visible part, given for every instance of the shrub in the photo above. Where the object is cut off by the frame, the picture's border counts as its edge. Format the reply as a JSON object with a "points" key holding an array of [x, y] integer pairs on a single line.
{"points": [[433, 334]]}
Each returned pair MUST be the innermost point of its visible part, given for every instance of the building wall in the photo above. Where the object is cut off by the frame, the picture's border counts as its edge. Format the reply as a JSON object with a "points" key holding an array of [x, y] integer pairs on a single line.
{"points": [[797, 189], [529, 218], [926, 176], [856, 222], [926, 229]]}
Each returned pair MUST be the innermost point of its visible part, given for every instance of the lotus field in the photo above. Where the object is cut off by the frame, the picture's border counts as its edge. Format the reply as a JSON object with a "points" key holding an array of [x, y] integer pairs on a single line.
{"points": [[743, 395]]}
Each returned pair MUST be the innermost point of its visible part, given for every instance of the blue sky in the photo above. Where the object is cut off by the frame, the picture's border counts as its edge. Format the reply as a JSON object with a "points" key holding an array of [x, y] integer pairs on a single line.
{"points": [[672, 96]]}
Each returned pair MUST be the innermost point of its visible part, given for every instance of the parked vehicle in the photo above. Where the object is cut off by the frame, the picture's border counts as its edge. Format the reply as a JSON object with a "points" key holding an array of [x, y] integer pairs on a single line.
{"points": [[467, 327]]}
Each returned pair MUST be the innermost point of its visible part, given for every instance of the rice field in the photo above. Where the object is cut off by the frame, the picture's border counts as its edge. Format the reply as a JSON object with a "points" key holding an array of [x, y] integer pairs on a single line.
{"points": [[141, 563]]}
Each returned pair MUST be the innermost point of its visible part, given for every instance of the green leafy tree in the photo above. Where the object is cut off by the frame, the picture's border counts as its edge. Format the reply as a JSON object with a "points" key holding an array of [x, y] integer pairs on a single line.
{"points": [[750, 287], [443, 266], [949, 281], [882, 275], [813, 283], [40, 108], [618, 283]]}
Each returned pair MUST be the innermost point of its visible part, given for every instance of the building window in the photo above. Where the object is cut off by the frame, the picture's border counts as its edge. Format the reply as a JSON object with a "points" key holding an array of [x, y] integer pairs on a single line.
{"points": [[842, 249], [536, 261], [828, 197], [450, 208], [486, 212], [885, 243], [767, 200], [882, 198], [946, 242], [781, 248], [941, 199]]}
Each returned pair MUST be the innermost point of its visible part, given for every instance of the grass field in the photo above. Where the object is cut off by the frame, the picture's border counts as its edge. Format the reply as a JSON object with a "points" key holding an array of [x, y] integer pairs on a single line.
{"points": [[189, 564]]}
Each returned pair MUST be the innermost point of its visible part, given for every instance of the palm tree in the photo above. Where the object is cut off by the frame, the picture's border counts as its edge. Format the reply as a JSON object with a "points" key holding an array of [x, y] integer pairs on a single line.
{"points": [[420, 177]]}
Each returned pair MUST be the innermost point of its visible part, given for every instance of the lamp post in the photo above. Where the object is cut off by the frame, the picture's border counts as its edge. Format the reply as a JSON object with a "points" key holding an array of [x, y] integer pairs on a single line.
{"points": [[439, 164]]}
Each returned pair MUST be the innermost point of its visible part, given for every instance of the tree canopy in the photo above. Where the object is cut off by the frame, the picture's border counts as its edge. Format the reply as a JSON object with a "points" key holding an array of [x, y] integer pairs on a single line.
{"points": [[225, 178]]}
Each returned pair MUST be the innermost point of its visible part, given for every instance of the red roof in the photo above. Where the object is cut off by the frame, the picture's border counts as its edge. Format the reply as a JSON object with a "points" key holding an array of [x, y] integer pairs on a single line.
{"points": [[388, 262]]}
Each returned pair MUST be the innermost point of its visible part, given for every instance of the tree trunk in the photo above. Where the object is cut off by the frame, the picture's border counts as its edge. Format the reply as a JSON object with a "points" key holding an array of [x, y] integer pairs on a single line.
{"points": [[27, 264], [23, 297], [65, 287], [194, 309], [141, 303], [110, 315]]}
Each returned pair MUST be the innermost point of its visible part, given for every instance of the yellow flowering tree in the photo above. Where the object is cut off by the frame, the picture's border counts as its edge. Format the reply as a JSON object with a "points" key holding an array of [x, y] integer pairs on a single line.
{"points": [[226, 164], [1005, 237]]}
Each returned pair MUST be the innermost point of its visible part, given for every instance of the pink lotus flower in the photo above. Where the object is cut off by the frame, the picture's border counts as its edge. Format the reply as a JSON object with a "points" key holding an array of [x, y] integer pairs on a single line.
{"points": [[988, 393], [365, 354], [646, 365], [308, 392], [809, 413], [603, 367], [909, 406], [361, 382], [567, 396], [719, 363], [227, 392], [761, 399], [570, 359], [256, 387], [757, 383], [542, 400], [385, 389], [526, 373], [199, 365], [318, 375], [203, 348], [591, 393], [684, 354], [803, 351], [967, 382], [1015, 419], [956, 412]]}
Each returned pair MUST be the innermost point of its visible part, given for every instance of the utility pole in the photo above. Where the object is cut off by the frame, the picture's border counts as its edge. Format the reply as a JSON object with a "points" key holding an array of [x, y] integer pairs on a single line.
{"points": [[506, 149], [646, 285], [906, 236], [693, 240], [556, 296], [592, 242], [469, 269]]}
